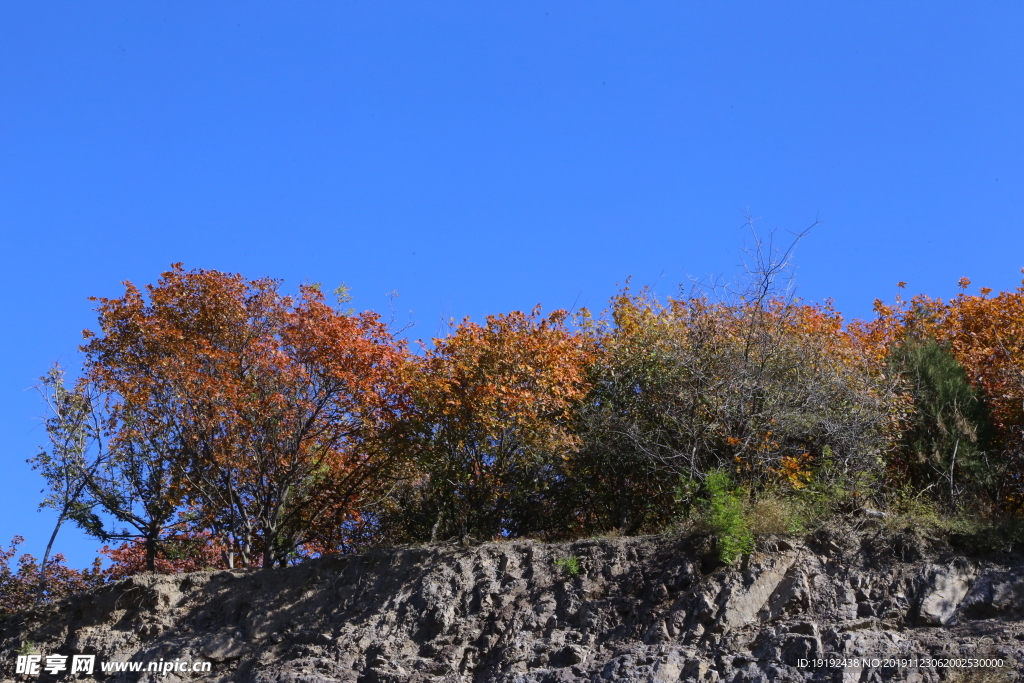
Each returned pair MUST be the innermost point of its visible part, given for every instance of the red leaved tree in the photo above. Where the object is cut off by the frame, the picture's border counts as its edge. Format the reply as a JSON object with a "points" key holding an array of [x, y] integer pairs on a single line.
{"points": [[20, 587], [179, 552]]}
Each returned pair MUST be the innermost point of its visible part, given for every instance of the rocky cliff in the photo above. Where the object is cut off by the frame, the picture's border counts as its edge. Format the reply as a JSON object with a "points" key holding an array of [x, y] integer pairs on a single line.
{"points": [[639, 609]]}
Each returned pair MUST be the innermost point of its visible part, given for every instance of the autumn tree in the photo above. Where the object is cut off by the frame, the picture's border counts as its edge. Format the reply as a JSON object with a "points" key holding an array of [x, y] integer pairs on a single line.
{"points": [[494, 404], [180, 551], [984, 333], [636, 435], [775, 391], [20, 579], [749, 379], [267, 403]]}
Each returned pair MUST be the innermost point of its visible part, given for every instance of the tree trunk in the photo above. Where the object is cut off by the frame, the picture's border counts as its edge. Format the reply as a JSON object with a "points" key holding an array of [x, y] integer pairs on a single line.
{"points": [[40, 591], [151, 539], [435, 533], [268, 555]]}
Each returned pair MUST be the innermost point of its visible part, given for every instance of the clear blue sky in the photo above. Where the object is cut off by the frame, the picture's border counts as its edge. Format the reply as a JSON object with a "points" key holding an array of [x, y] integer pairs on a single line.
{"points": [[484, 157]]}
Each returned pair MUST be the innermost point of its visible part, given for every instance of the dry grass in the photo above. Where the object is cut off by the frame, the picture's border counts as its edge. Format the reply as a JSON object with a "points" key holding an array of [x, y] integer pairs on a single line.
{"points": [[1006, 674], [770, 515]]}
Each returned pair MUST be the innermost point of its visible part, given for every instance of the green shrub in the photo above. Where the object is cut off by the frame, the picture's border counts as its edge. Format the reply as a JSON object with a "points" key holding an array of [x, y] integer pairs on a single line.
{"points": [[725, 516], [570, 566]]}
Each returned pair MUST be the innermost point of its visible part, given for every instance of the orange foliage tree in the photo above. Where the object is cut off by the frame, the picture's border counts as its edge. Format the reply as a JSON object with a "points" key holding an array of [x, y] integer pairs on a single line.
{"points": [[494, 404], [267, 404]]}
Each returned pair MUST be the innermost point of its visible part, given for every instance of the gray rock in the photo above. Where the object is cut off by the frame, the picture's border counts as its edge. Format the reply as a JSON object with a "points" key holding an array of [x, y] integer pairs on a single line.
{"points": [[645, 610], [944, 589]]}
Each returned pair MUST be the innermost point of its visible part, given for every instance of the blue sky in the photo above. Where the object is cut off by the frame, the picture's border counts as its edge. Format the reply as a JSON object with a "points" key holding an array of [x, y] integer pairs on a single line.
{"points": [[484, 157]]}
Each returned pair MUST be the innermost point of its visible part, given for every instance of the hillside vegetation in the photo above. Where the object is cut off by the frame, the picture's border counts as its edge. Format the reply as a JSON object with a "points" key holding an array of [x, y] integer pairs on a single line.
{"points": [[217, 422]]}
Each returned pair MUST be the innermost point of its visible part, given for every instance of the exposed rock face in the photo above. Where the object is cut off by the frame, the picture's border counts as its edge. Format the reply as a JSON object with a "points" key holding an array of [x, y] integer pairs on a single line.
{"points": [[641, 609]]}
